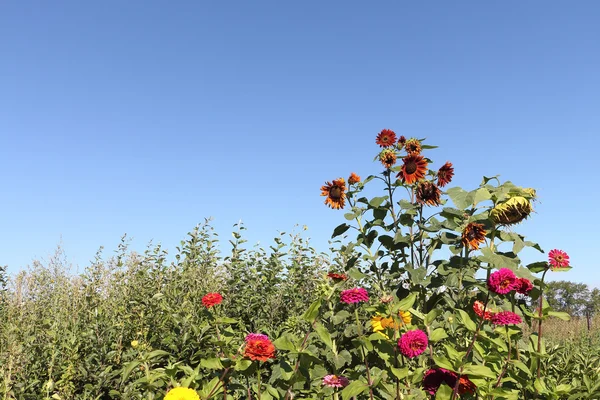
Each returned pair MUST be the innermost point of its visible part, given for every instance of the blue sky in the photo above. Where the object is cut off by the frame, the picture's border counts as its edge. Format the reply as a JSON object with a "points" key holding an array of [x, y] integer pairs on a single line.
{"points": [[145, 117]]}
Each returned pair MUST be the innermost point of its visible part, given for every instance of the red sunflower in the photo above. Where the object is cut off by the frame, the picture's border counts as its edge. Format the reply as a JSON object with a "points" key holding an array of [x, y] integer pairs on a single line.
{"points": [[445, 174], [414, 169], [386, 138], [335, 192]]}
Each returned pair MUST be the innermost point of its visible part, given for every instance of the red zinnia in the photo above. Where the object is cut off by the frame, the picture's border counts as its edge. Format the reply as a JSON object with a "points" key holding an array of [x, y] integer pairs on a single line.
{"points": [[478, 307], [524, 286], [506, 318], [386, 138], [502, 281], [558, 259], [445, 174], [337, 277], [434, 378], [413, 343], [212, 299], [355, 295], [259, 349]]}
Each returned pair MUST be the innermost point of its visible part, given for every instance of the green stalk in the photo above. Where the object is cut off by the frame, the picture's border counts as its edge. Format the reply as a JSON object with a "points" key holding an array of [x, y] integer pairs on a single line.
{"points": [[362, 350]]}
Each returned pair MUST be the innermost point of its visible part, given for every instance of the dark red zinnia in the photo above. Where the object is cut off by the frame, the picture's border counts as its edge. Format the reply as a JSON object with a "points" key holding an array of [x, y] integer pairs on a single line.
{"points": [[524, 286]]}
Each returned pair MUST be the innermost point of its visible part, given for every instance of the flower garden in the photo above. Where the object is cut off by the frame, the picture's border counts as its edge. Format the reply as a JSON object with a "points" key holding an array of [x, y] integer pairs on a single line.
{"points": [[422, 296]]}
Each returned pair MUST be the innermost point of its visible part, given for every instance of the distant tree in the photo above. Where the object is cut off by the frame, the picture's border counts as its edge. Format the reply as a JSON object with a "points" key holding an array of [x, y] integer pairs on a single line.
{"points": [[573, 298]]}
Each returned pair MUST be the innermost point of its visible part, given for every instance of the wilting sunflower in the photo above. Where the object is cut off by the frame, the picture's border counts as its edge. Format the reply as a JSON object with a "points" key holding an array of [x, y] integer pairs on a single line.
{"points": [[388, 158], [386, 138], [445, 174], [335, 192], [412, 146], [515, 209], [473, 235], [414, 169], [428, 193], [401, 142]]}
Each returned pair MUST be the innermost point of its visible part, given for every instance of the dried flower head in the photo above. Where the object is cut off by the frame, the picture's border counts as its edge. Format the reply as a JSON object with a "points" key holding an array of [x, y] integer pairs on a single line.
{"points": [[337, 277]]}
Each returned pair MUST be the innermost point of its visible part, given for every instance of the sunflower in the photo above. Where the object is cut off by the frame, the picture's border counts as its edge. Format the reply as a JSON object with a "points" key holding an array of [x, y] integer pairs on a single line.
{"points": [[401, 142], [386, 138], [353, 179], [473, 235], [414, 169], [445, 174], [388, 158], [428, 193], [412, 146], [335, 192]]}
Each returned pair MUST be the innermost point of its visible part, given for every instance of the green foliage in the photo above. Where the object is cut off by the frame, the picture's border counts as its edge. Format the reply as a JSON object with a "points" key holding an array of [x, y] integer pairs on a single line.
{"points": [[134, 325]]}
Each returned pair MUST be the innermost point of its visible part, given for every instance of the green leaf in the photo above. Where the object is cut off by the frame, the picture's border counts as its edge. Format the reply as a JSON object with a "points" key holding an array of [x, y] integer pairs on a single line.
{"points": [[466, 320], [480, 195], [444, 393], [399, 373], [407, 302], [313, 311], [354, 389], [479, 371], [284, 343], [324, 335], [157, 353], [537, 266], [432, 315], [376, 201], [242, 364], [559, 314], [211, 363], [127, 370], [443, 362], [437, 335], [340, 229], [459, 197]]}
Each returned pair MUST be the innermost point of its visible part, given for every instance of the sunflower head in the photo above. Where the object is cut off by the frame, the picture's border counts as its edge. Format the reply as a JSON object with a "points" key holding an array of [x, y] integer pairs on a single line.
{"points": [[473, 235], [428, 193], [445, 174], [388, 158], [412, 146], [413, 169], [335, 192], [353, 179], [512, 211], [386, 138]]}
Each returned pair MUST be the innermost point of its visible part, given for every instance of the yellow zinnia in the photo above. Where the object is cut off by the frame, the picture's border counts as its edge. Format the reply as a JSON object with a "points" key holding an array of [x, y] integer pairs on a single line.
{"points": [[181, 393], [379, 323]]}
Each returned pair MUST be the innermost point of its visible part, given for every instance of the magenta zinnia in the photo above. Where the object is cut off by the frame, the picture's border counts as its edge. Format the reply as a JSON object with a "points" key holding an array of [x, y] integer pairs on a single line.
{"points": [[558, 259], [524, 286], [502, 281], [256, 336], [335, 381], [355, 295], [506, 318], [413, 343]]}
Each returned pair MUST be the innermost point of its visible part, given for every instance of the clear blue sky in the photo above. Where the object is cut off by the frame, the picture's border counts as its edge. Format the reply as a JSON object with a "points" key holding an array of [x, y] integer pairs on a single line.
{"points": [[144, 117]]}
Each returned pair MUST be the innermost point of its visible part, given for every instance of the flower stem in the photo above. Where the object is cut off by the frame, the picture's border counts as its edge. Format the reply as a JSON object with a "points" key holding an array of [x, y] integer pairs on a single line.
{"points": [[362, 350], [540, 315]]}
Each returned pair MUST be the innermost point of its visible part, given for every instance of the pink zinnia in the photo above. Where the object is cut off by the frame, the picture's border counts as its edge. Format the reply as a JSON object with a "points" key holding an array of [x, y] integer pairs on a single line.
{"points": [[355, 295], [413, 343], [506, 318], [335, 381], [558, 259], [256, 336], [502, 281], [524, 286]]}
